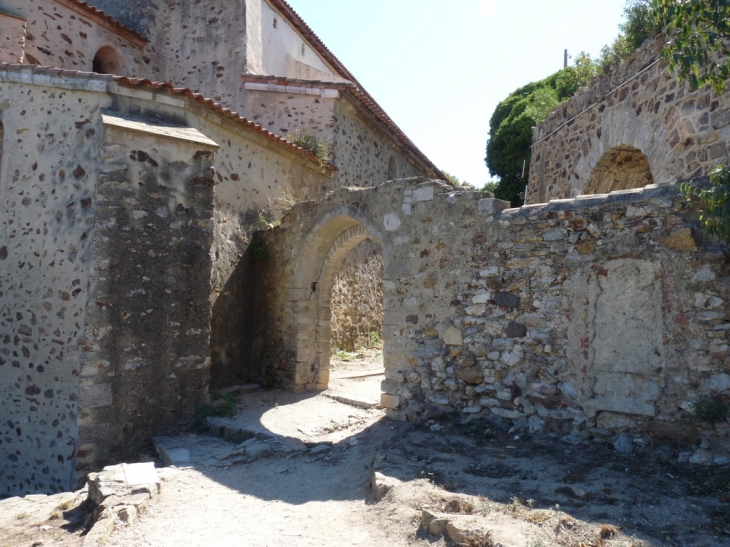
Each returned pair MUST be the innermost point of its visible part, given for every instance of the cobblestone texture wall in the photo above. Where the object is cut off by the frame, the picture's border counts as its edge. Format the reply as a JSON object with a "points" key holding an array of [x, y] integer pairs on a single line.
{"points": [[357, 298], [60, 37], [12, 43], [199, 45], [362, 153], [47, 200], [124, 253], [586, 317], [639, 104]]}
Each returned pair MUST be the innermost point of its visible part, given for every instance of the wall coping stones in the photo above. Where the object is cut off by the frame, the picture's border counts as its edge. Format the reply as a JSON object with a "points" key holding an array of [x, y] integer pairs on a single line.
{"points": [[148, 127], [652, 191]]}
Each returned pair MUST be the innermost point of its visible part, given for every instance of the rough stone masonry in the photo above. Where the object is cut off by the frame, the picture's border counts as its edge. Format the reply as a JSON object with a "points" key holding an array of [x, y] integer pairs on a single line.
{"points": [[588, 317]]}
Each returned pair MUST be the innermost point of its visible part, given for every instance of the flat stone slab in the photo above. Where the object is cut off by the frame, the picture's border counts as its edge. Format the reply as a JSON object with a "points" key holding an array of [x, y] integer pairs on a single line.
{"points": [[225, 450], [360, 402], [353, 375]]}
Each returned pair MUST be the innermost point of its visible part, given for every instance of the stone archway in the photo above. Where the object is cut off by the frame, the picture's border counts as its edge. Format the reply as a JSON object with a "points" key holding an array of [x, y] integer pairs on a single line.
{"points": [[310, 297], [622, 168]]}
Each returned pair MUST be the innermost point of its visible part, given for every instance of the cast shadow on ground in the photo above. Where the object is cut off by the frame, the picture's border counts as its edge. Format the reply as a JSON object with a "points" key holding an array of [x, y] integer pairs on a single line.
{"points": [[646, 493]]}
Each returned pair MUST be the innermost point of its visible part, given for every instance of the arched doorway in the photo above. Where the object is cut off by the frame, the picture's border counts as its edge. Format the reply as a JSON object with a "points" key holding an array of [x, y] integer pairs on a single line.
{"points": [[621, 168], [108, 61], [310, 297]]}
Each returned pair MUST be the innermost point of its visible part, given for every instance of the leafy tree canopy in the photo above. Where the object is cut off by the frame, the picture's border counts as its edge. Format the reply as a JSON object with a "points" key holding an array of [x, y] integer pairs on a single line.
{"points": [[510, 128], [699, 30]]}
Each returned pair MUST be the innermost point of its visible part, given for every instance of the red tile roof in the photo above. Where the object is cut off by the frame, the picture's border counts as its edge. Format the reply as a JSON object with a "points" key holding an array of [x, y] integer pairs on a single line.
{"points": [[107, 21], [169, 88], [293, 17]]}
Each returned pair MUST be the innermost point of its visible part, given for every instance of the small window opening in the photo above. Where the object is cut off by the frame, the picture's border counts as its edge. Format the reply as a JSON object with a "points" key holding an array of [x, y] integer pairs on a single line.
{"points": [[276, 22], [304, 49], [108, 61]]}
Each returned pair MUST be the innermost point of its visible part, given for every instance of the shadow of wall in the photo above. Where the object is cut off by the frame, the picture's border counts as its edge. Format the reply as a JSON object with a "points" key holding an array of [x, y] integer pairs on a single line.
{"points": [[232, 326]]}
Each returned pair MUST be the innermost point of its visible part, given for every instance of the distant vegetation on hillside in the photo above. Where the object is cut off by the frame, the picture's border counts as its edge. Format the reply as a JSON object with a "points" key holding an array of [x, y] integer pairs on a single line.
{"points": [[510, 128]]}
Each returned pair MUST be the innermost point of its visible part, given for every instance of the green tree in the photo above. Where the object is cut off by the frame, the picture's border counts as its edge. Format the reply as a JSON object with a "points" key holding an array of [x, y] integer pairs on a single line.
{"points": [[510, 130], [640, 22], [699, 31]]}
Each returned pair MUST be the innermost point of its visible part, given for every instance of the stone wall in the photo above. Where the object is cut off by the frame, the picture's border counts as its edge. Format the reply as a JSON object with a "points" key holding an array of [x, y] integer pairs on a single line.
{"points": [[363, 153], [47, 200], [360, 151], [200, 45], [586, 317], [146, 359], [127, 214], [12, 43], [357, 298], [59, 36], [637, 105]]}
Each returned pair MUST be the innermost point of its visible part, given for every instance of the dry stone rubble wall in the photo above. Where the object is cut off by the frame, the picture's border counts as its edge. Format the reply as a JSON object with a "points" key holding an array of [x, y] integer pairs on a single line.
{"points": [[585, 317]]}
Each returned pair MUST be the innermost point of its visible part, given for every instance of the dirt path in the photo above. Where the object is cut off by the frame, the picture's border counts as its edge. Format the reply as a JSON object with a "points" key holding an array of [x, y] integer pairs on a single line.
{"points": [[470, 476], [303, 501]]}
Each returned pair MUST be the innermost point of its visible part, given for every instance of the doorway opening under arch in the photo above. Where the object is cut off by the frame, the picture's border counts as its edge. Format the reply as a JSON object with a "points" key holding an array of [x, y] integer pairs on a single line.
{"points": [[621, 168], [356, 326], [327, 297]]}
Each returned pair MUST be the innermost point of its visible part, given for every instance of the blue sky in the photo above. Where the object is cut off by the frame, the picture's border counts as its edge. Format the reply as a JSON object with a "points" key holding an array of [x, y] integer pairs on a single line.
{"points": [[439, 68]]}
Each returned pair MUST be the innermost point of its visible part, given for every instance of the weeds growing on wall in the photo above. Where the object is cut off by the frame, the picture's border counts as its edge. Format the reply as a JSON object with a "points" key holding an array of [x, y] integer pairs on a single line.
{"points": [[715, 212], [311, 144], [711, 410]]}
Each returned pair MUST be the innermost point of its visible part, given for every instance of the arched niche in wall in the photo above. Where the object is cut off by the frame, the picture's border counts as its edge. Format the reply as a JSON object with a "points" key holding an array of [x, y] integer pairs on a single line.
{"points": [[621, 168], [108, 61], [392, 168]]}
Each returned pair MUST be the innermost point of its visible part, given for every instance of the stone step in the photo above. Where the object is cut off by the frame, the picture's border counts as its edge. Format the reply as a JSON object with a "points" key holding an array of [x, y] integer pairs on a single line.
{"points": [[353, 400], [239, 432]]}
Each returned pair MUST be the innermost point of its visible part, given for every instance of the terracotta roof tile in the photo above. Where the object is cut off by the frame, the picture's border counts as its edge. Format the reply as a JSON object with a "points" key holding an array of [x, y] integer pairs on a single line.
{"points": [[361, 94], [169, 88]]}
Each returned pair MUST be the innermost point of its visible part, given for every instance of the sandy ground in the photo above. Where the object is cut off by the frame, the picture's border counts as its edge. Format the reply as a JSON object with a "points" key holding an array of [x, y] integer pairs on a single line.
{"points": [[528, 491]]}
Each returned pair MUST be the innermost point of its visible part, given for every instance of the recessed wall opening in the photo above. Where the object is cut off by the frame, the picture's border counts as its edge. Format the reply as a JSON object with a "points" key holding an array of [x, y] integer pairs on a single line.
{"points": [[621, 168], [356, 339], [108, 61], [392, 168]]}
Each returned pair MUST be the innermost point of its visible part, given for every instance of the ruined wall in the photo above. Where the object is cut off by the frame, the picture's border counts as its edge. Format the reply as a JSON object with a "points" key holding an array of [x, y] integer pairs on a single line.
{"points": [[47, 200], [639, 104], [357, 298], [61, 37], [586, 317], [251, 180]]}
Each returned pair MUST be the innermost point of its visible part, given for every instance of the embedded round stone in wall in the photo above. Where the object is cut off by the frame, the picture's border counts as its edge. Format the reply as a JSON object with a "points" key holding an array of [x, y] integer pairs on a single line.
{"points": [[471, 375], [453, 337], [507, 300], [516, 330]]}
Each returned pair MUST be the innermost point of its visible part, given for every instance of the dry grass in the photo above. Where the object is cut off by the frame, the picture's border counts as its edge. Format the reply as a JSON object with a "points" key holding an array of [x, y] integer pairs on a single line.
{"points": [[483, 539]]}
